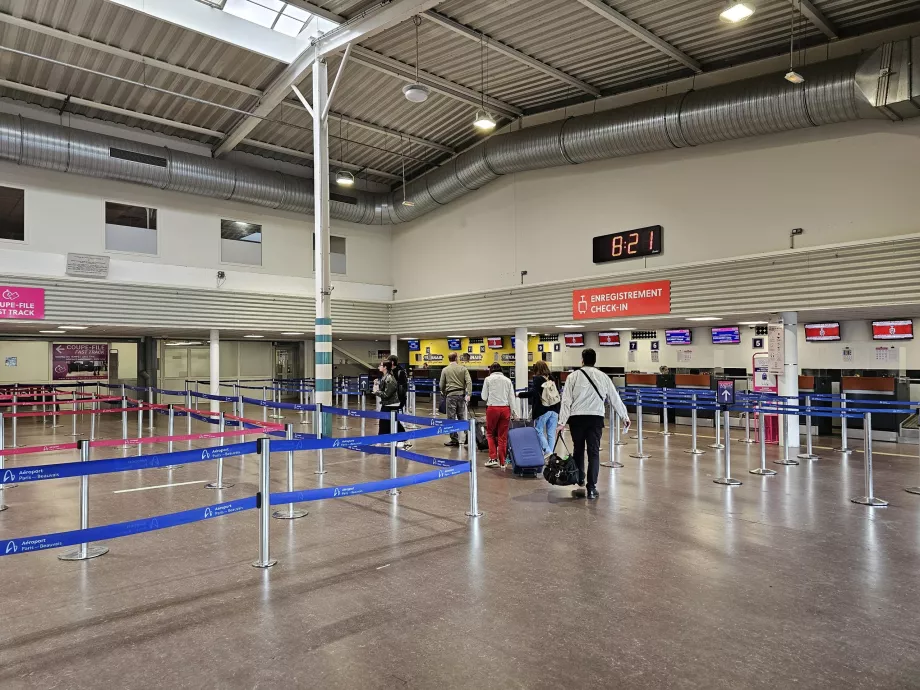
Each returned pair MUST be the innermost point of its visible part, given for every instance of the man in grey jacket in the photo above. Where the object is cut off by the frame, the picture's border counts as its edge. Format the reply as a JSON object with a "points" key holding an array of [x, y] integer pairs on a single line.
{"points": [[456, 386]]}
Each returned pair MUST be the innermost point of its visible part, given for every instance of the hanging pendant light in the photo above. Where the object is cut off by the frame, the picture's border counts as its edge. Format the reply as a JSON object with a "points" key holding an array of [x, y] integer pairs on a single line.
{"points": [[792, 76], [343, 177], [483, 121], [737, 11], [402, 156], [417, 92]]}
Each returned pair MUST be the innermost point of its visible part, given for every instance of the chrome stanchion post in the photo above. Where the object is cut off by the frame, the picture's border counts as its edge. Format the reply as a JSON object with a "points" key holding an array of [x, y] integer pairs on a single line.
{"points": [[727, 480], [869, 499], [151, 411], [239, 407], [434, 400], [124, 423], [718, 445], [55, 418], [15, 407], [784, 420], [664, 408], [807, 455], [762, 470], [638, 406], [843, 426], [474, 487], [74, 415], [276, 398], [614, 424], [92, 421], [693, 449], [2, 461], [219, 484], [170, 431], [263, 448], [393, 492], [639, 454], [303, 412], [363, 409], [343, 425], [85, 551], [188, 406], [291, 513], [747, 426], [318, 427]]}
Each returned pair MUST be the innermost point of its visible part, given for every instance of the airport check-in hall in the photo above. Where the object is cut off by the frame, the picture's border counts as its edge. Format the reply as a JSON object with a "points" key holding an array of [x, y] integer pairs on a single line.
{"points": [[459, 344]]}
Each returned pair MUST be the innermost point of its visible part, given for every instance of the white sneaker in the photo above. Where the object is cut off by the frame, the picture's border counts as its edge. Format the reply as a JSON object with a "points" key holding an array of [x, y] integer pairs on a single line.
{"points": [[491, 463]]}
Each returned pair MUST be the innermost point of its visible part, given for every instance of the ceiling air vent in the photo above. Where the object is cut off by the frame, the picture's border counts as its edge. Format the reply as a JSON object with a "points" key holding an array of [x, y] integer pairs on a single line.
{"points": [[342, 198], [136, 157]]}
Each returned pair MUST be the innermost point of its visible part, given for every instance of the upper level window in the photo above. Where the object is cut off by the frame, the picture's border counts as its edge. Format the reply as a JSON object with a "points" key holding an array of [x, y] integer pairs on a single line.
{"points": [[337, 262], [130, 228], [12, 216], [240, 242]]}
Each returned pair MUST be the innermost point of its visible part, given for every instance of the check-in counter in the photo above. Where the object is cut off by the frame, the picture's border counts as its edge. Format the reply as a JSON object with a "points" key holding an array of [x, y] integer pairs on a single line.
{"points": [[822, 385], [694, 382], [886, 388]]}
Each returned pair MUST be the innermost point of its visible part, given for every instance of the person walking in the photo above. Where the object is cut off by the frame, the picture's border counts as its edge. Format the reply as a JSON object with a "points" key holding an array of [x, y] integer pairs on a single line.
{"points": [[402, 388], [586, 390], [498, 394], [387, 391], [456, 387], [545, 403]]}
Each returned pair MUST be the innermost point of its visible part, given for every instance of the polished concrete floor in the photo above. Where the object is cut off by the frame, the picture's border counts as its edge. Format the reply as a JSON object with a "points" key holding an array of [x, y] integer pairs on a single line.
{"points": [[666, 581]]}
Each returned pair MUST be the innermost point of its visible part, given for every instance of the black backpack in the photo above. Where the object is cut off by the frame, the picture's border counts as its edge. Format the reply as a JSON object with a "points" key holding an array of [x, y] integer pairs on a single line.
{"points": [[560, 471], [402, 384]]}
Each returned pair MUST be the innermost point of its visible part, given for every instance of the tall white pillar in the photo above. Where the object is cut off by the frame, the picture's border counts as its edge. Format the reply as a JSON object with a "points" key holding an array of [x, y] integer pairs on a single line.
{"points": [[323, 369], [214, 361], [394, 343], [520, 357], [789, 382]]}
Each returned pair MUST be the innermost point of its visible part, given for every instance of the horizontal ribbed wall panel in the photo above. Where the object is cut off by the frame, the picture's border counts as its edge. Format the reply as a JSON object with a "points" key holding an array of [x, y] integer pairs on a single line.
{"points": [[151, 307], [868, 275]]}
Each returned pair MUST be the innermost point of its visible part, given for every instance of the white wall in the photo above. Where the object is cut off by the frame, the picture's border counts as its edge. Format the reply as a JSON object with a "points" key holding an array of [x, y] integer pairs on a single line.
{"points": [[840, 183], [65, 213]]}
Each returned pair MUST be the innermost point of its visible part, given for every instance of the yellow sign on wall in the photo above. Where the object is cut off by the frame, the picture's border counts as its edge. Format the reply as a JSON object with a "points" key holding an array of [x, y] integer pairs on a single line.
{"points": [[434, 353]]}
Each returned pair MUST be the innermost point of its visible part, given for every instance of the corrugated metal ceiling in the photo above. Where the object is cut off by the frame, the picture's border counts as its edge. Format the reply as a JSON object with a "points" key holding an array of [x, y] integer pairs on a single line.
{"points": [[561, 33]]}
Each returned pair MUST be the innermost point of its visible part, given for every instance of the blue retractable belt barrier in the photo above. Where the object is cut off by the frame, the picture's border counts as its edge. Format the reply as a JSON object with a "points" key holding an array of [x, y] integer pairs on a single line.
{"points": [[367, 487], [422, 421], [208, 396], [124, 529], [163, 391], [280, 406], [296, 445]]}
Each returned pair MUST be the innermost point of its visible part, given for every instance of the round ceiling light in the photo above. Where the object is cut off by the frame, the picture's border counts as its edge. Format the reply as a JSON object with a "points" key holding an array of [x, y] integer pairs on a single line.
{"points": [[484, 121], [343, 178], [417, 93]]}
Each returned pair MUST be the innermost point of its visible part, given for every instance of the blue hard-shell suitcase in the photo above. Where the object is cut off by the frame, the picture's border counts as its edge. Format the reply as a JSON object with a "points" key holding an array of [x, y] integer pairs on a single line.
{"points": [[524, 451]]}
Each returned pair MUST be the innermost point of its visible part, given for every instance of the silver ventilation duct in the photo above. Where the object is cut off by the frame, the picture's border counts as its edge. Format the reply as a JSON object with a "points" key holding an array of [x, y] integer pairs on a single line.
{"points": [[883, 83]]}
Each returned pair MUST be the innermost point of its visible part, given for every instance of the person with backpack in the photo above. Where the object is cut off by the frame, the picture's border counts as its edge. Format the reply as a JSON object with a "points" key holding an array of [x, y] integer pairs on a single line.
{"points": [[498, 394], [402, 388], [586, 390], [545, 403], [456, 387], [386, 389]]}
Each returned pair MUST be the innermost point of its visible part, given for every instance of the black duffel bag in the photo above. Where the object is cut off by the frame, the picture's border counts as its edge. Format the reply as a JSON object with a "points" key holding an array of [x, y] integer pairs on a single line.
{"points": [[560, 471]]}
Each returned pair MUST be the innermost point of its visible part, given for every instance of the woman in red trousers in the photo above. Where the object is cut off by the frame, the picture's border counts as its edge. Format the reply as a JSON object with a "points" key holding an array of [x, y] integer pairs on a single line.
{"points": [[498, 394]]}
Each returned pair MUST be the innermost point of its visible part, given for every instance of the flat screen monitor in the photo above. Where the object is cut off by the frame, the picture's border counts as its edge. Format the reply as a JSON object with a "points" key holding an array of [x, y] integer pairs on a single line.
{"points": [[893, 330], [495, 342], [574, 339], [453, 344], [611, 339], [817, 332], [678, 336], [414, 345], [726, 335]]}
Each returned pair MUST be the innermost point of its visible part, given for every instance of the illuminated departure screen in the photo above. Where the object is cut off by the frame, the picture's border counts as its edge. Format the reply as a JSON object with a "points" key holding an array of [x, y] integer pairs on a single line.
{"points": [[629, 244]]}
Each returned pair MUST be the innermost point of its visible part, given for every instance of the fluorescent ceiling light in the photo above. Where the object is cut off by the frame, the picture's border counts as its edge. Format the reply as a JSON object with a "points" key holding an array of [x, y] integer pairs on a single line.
{"points": [[704, 318], [753, 323], [484, 121], [408, 338], [184, 342], [460, 336], [290, 333], [253, 336], [794, 77], [52, 331], [569, 325], [343, 178], [737, 12], [74, 328]]}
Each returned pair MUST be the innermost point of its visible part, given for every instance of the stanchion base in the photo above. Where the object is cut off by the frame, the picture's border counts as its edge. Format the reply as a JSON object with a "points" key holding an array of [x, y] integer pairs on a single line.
{"points": [[75, 435], [91, 552], [636, 438], [620, 443], [614, 465], [55, 426], [470, 513], [763, 472], [844, 451], [215, 485], [717, 446], [394, 492], [289, 514], [9, 486], [786, 461], [276, 416], [640, 456], [913, 490], [727, 481], [127, 446], [807, 456], [3, 507], [665, 433], [320, 472], [172, 467], [870, 501], [746, 440], [266, 564], [695, 451]]}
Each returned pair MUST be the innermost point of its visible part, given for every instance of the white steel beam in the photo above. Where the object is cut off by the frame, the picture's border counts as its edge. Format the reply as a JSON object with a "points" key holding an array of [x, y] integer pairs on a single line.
{"points": [[508, 51], [816, 17], [201, 76], [640, 32], [373, 23], [458, 92]]}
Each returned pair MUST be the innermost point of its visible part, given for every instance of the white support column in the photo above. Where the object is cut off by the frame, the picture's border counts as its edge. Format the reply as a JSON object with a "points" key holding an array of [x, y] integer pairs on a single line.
{"points": [[214, 361], [323, 372], [789, 382], [520, 357], [394, 344]]}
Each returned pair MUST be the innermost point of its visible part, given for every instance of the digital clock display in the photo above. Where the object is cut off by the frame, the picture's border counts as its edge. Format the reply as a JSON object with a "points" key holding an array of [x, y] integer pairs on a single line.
{"points": [[629, 244]]}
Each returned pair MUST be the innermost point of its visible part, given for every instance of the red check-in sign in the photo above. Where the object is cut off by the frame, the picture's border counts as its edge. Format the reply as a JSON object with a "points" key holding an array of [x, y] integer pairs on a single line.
{"points": [[638, 299]]}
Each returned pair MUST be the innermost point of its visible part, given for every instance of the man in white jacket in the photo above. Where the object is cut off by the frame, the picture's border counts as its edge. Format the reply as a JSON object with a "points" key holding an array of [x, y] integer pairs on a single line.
{"points": [[586, 390]]}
